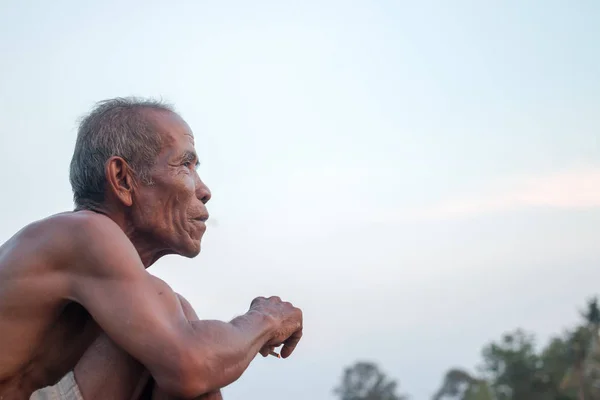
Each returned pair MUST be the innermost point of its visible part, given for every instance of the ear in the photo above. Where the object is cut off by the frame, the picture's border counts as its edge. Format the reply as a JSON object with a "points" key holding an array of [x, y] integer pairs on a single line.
{"points": [[120, 180]]}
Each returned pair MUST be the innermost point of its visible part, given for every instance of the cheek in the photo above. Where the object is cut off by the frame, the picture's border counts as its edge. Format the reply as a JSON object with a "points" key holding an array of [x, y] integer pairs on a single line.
{"points": [[154, 208], [186, 191], [166, 204], [178, 204], [149, 214], [189, 183]]}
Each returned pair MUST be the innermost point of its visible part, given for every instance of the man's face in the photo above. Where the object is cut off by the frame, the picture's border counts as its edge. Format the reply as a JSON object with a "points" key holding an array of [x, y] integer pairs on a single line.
{"points": [[171, 212]]}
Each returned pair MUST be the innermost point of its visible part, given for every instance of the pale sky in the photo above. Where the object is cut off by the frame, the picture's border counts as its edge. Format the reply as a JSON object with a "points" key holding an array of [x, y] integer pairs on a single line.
{"points": [[417, 176]]}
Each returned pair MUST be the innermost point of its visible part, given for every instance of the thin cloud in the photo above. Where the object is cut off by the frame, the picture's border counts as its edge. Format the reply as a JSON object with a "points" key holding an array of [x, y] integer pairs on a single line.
{"points": [[573, 188], [569, 189]]}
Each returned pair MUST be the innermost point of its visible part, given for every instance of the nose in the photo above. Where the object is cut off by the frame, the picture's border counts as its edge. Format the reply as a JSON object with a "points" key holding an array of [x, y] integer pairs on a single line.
{"points": [[202, 191]]}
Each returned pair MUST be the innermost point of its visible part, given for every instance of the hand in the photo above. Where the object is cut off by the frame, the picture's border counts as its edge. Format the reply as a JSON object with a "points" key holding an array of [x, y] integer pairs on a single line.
{"points": [[288, 324]]}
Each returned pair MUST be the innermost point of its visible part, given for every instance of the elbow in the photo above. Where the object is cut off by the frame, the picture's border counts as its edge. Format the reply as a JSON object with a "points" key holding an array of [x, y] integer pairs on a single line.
{"points": [[189, 378]]}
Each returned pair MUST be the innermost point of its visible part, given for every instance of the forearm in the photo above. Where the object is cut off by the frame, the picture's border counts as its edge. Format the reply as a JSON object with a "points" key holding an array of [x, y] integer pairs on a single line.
{"points": [[228, 348]]}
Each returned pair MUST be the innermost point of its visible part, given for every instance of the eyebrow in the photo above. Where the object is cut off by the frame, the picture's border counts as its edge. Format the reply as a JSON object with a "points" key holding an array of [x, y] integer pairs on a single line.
{"points": [[189, 156]]}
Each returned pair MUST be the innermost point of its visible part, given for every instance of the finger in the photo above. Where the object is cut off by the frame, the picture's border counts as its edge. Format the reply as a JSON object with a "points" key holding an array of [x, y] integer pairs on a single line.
{"points": [[257, 300], [290, 344], [266, 350]]}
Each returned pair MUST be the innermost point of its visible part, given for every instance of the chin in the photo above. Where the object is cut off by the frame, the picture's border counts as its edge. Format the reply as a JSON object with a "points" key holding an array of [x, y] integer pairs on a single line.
{"points": [[191, 253], [191, 250], [187, 245]]}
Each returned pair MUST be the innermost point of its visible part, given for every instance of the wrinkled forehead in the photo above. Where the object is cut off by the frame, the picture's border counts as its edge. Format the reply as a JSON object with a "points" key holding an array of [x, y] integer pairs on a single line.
{"points": [[174, 131]]}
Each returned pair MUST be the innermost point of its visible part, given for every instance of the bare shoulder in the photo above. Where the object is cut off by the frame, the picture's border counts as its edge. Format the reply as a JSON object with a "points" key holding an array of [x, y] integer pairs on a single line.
{"points": [[44, 242], [75, 242], [55, 254], [83, 226], [102, 257], [99, 244]]}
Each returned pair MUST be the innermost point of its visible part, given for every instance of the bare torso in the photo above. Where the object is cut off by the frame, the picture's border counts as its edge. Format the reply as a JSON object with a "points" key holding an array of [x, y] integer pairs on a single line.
{"points": [[52, 267], [43, 333]]}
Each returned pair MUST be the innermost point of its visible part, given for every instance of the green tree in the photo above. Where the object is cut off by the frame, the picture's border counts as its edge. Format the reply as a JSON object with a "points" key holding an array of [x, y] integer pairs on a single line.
{"points": [[512, 367], [556, 359], [513, 370], [583, 374], [365, 381], [592, 312], [567, 368], [460, 385]]}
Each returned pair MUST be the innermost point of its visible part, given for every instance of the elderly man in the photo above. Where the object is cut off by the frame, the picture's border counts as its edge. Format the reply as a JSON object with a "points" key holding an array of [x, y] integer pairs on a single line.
{"points": [[81, 318]]}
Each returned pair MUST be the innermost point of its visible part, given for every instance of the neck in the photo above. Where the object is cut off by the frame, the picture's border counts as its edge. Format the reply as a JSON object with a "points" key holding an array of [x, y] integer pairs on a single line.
{"points": [[148, 251]]}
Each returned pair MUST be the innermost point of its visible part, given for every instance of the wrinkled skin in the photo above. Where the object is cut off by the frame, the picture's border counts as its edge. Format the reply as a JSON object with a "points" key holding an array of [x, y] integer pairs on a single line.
{"points": [[79, 278]]}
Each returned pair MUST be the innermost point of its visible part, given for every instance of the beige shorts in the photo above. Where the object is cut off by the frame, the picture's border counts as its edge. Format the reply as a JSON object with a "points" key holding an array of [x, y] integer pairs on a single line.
{"points": [[65, 389]]}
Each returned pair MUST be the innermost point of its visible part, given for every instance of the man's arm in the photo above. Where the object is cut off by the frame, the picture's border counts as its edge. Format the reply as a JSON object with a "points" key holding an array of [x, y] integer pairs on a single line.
{"points": [[156, 392], [144, 317], [191, 315]]}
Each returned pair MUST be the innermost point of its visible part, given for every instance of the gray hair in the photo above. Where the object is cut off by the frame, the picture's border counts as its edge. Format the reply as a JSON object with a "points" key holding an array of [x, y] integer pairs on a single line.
{"points": [[116, 127]]}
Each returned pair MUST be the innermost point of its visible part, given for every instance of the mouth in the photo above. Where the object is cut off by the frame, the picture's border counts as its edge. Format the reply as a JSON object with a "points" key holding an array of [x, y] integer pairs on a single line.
{"points": [[202, 218]]}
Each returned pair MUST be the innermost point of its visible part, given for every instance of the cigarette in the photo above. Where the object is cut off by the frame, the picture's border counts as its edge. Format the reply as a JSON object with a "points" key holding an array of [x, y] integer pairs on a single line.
{"points": [[274, 354]]}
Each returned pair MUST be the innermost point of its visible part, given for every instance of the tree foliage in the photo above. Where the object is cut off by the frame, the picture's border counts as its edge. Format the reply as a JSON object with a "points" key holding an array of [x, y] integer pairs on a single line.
{"points": [[512, 368], [460, 385], [365, 381], [567, 368]]}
